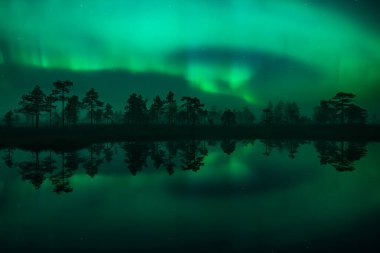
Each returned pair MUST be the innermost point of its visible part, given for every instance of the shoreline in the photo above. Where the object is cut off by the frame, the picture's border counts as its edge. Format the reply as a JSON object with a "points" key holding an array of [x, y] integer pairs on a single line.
{"points": [[83, 135]]}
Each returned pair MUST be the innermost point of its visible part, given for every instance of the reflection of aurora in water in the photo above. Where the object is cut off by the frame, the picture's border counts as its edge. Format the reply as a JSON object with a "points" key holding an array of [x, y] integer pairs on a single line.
{"points": [[143, 36], [232, 197], [191, 156]]}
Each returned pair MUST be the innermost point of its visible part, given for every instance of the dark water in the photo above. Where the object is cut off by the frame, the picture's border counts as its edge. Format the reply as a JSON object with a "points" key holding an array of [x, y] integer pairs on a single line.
{"points": [[255, 196]]}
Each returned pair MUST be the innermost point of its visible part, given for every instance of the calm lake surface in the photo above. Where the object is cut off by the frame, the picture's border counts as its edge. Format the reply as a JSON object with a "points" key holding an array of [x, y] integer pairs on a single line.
{"points": [[254, 195]]}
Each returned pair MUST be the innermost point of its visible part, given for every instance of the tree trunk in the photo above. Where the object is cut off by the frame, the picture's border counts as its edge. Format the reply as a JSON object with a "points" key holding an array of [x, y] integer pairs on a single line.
{"points": [[38, 160], [63, 168], [50, 117], [63, 160], [91, 113], [37, 120], [63, 109]]}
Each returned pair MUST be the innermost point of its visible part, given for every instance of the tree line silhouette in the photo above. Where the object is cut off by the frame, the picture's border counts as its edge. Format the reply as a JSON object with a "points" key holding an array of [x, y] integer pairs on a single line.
{"points": [[166, 111], [186, 155]]}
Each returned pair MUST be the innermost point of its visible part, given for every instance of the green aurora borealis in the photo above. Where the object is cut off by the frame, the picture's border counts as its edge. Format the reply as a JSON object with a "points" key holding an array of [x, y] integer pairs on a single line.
{"points": [[252, 51]]}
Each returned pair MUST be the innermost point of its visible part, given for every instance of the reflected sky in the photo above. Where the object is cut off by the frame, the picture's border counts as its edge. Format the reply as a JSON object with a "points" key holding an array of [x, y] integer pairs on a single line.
{"points": [[245, 199]]}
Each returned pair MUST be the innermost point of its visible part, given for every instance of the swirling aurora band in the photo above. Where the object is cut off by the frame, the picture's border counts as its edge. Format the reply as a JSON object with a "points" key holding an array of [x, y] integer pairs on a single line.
{"points": [[232, 47]]}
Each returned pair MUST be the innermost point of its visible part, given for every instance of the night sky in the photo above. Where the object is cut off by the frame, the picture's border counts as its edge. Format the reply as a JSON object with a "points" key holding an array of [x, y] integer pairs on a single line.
{"points": [[230, 53]]}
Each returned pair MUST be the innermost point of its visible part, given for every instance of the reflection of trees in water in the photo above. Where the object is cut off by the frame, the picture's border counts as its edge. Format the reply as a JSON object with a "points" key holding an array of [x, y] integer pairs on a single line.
{"points": [[170, 155], [169, 165], [109, 152], [49, 163], [36, 171], [247, 142], [70, 162], [289, 146], [292, 148], [188, 155], [268, 147], [340, 154], [212, 143], [73, 160], [228, 146], [163, 155], [94, 160], [203, 148], [157, 154], [60, 180], [8, 157], [192, 154], [136, 154]]}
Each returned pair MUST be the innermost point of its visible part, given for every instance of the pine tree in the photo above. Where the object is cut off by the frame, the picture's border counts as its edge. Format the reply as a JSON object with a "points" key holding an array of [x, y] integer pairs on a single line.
{"points": [[325, 113], [60, 91], [170, 108], [34, 104], [193, 108], [228, 118], [72, 109], [98, 116], [92, 103], [108, 113], [342, 101], [267, 117], [249, 117], [156, 109], [50, 100], [292, 113], [135, 109], [9, 118], [356, 115], [278, 113]]}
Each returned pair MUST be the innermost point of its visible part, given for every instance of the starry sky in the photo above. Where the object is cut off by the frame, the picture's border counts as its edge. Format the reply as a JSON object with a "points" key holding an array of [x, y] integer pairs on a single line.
{"points": [[230, 53]]}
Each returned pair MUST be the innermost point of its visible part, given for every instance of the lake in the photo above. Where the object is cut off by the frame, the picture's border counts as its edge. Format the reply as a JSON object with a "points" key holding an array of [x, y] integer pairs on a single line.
{"points": [[224, 196]]}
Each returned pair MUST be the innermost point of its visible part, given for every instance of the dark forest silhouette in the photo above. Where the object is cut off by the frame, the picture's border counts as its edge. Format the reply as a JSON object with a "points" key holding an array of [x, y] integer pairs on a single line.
{"points": [[189, 111], [60, 166]]}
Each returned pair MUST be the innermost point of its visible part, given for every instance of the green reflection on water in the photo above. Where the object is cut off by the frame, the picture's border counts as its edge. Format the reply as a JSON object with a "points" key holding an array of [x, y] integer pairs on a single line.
{"points": [[242, 200]]}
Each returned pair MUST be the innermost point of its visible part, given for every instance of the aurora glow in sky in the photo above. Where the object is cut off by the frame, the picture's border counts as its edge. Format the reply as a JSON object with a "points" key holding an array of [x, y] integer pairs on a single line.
{"points": [[245, 51]]}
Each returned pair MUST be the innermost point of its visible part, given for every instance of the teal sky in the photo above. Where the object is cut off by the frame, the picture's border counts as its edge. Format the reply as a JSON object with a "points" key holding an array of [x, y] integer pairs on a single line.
{"points": [[228, 52]]}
